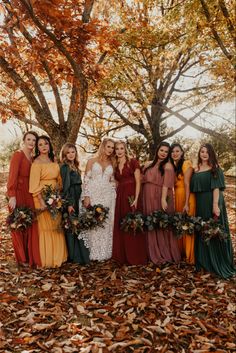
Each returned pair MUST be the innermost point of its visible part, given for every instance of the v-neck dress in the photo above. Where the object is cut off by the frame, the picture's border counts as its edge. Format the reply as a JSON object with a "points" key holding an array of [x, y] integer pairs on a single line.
{"points": [[128, 248], [25, 243]]}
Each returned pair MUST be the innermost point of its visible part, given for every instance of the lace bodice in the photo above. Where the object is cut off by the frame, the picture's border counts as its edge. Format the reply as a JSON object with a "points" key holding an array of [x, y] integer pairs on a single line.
{"points": [[98, 181]]}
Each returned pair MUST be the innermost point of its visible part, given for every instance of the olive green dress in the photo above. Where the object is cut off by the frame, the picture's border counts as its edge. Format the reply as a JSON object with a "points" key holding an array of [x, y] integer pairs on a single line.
{"points": [[71, 182], [217, 255]]}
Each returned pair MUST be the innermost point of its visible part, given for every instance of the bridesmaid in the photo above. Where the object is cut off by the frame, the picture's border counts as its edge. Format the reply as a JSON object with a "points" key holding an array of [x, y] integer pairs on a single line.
{"points": [[25, 243], [184, 200], [158, 184], [45, 171], [208, 184], [71, 184], [128, 248]]}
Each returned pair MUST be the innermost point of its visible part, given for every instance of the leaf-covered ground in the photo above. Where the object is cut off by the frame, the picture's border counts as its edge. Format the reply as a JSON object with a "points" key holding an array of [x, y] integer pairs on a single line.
{"points": [[103, 308]]}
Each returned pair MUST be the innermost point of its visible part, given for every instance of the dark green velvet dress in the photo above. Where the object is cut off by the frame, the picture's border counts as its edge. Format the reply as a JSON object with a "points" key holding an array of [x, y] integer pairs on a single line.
{"points": [[217, 255], [71, 181]]}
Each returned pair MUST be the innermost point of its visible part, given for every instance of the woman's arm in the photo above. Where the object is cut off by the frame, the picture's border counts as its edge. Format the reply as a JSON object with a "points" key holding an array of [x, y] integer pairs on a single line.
{"points": [[137, 176], [168, 183], [187, 177], [86, 190], [216, 210]]}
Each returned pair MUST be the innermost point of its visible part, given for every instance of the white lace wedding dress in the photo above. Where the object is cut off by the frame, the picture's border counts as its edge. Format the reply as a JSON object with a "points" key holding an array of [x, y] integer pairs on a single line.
{"points": [[99, 186]]}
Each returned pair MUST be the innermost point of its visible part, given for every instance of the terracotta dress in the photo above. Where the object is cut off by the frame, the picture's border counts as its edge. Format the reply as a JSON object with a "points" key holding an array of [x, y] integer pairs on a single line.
{"points": [[25, 243], [71, 186], [186, 243], [162, 244], [217, 255], [52, 244], [128, 248]]}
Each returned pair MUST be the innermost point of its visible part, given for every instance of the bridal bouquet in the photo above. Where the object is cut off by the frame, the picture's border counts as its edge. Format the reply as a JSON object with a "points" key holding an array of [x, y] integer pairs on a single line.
{"points": [[90, 218], [93, 216], [53, 200], [20, 218]]}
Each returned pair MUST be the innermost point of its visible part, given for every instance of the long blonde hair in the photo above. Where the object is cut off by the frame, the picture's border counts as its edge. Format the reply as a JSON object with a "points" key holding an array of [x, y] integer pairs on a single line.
{"points": [[100, 152], [63, 159], [127, 155]]}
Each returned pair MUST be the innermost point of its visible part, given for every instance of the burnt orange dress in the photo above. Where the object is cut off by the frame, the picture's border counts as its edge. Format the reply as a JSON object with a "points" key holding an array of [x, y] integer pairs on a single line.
{"points": [[25, 243], [186, 243]]}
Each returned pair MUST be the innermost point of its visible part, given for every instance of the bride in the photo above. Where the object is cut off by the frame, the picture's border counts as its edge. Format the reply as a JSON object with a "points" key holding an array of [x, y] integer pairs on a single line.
{"points": [[99, 187]]}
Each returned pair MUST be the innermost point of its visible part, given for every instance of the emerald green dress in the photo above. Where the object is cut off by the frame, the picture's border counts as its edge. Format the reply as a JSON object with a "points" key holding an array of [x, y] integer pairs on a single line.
{"points": [[71, 182], [217, 255]]}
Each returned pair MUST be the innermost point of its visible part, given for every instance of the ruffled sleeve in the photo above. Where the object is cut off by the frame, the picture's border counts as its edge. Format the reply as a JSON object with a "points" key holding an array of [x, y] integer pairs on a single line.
{"points": [[218, 181], [35, 186], [14, 173], [169, 176], [134, 164], [186, 165]]}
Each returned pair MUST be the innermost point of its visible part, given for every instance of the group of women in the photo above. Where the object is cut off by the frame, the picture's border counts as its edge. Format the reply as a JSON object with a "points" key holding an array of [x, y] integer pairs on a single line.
{"points": [[115, 180]]}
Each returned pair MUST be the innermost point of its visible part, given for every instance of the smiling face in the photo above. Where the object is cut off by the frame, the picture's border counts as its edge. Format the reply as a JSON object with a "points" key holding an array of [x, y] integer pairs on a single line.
{"points": [[109, 148], [176, 153], [120, 150], [43, 146], [30, 141], [204, 155], [163, 153], [71, 154]]}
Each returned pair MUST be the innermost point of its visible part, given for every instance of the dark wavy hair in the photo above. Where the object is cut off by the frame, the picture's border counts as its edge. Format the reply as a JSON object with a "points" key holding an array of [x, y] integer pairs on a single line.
{"points": [[161, 165], [178, 167], [212, 162], [50, 153], [30, 132]]}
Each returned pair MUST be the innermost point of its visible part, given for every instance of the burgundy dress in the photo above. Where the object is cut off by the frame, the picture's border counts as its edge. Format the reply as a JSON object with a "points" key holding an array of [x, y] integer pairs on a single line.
{"points": [[25, 243], [162, 244], [128, 248]]}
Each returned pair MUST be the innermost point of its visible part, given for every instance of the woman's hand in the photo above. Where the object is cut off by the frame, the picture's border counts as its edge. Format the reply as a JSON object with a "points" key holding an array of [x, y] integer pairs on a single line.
{"points": [[12, 203], [134, 204], [86, 201], [71, 209], [216, 210], [186, 208], [164, 204]]}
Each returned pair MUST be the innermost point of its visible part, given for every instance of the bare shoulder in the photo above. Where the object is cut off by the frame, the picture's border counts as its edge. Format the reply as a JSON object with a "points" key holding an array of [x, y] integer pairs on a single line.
{"points": [[90, 162]]}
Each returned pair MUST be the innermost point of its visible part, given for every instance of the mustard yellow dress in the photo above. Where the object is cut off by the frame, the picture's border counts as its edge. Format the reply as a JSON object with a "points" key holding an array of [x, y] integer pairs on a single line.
{"points": [[52, 243], [186, 243]]}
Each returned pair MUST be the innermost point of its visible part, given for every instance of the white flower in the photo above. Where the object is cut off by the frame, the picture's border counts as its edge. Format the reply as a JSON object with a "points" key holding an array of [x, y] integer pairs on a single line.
{"points": [[50, 201]]}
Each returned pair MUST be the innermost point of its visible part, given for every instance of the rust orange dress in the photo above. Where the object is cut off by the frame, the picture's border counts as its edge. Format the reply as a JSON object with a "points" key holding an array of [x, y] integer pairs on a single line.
{"points": [[186, 243], [25, 243]]}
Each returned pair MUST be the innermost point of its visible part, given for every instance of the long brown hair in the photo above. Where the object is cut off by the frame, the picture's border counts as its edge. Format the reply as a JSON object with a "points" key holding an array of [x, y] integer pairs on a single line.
{"points": [[212, 162], [50, 153], [127, 155], [63, 159], [161, 165]]}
